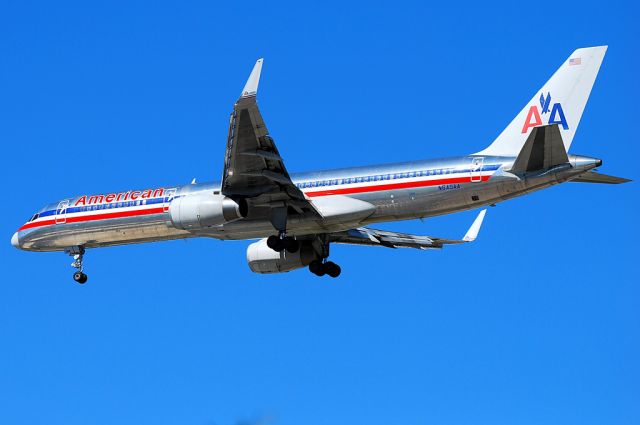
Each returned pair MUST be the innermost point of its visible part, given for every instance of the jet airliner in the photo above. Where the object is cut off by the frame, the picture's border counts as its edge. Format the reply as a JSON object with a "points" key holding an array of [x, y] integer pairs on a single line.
{"points": [[297, 217]]}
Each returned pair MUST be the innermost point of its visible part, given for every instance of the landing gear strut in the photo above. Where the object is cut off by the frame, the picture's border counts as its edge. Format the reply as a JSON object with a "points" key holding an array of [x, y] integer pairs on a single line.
{"points": [[321, 266], [77, 252], [282, 242]]}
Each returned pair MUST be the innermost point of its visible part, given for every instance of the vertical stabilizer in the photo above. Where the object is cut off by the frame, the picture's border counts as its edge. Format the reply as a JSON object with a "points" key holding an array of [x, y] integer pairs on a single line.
{"points": [[560, 101]]}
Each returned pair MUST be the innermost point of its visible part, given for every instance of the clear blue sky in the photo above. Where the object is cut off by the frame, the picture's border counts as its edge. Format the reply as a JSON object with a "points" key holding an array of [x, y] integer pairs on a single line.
{"points": [[536, 323]]}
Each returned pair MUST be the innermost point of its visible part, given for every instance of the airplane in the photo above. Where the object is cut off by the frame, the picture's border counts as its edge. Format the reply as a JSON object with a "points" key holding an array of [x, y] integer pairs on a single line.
{"points": [[296, 217]]}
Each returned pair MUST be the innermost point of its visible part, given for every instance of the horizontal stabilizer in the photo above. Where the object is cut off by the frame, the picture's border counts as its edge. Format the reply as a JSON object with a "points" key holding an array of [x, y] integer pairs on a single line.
{"points": [[593, 177], [543, 150]]}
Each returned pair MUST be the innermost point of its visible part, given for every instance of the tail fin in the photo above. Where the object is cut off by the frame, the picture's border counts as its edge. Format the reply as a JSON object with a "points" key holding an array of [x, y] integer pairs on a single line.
{"points": [[560, 101]]}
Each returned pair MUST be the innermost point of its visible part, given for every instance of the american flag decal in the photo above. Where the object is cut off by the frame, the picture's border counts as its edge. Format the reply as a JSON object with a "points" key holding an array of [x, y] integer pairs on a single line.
{"points": [[575, 61]]}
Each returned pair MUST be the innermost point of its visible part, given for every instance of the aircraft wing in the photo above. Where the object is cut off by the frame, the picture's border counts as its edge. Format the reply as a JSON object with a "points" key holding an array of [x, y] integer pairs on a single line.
{"points": [[253, 168], [373, 237]]}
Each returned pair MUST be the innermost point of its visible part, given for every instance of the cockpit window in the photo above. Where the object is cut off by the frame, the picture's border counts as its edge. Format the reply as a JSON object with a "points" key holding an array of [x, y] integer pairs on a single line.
{"points": [[34, 217]]}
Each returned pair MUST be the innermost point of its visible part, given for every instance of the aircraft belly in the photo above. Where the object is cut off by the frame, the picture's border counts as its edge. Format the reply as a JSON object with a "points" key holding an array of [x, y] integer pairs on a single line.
{"points": [[101, 233]]}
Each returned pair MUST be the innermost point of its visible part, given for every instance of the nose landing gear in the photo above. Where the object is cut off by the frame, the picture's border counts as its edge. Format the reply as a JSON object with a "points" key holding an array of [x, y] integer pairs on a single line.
{"points": [[80, 277], [77, 252]]}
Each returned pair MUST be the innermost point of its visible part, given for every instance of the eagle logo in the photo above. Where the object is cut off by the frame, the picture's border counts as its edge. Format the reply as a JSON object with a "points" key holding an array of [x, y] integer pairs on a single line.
{"points": [[545, 102]]}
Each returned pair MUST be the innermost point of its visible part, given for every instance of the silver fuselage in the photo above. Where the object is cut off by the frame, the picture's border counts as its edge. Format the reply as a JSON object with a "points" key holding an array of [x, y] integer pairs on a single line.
{"points": [[400, 191]]}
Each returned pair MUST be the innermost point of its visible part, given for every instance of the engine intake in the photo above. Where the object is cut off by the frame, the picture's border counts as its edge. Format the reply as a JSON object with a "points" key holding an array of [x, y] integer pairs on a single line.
{"points": [[205, 209], [262, 259]]}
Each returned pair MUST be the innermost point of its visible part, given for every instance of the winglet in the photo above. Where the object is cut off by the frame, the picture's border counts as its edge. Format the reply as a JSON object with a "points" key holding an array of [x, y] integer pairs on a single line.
{"points": [[251, 87], [472, 233]]}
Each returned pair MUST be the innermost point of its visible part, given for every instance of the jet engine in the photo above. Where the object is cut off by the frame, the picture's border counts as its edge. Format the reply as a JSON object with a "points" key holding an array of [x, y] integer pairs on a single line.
{"points": [[262, 259], [205, 209]]}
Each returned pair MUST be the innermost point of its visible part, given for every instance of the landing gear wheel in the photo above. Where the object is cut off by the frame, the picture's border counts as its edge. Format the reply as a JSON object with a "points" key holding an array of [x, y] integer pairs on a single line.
{"points": [[317, 268], [80, 277], [290, 244], [275, 243], [329, 268], [332, 269]]}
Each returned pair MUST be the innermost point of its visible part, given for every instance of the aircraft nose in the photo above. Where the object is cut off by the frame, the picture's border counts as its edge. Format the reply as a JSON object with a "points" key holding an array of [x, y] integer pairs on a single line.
{"points": [[15, 241]]}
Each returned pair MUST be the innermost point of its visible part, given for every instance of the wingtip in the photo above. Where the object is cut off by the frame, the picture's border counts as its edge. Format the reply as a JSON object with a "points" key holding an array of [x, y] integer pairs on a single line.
{"points": [[251, 87], [473, 231]]}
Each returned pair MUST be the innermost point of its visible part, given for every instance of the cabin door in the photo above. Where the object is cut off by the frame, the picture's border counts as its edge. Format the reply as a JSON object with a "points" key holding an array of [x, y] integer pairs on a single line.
{"points": [[476, 169], [61, 212], [169, 194]]}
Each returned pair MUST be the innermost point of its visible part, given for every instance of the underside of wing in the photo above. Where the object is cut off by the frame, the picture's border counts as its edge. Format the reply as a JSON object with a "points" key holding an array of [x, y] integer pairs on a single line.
{"points": [[374, 237], [253, 168]]}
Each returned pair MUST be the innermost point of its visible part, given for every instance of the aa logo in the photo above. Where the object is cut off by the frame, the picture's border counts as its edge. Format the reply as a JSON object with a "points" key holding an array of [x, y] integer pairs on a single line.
{"points": [[534, 117]]}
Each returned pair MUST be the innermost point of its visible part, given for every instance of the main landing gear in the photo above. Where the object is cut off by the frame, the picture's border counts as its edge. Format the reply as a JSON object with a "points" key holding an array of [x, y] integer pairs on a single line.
{"points": [[77, 252], [282, 242], [320, 268], [316, 251]]}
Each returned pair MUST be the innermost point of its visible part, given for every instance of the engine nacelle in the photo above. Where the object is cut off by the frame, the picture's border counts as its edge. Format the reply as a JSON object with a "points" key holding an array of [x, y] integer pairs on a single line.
{"points": [[205, 209], [262, 259]]}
